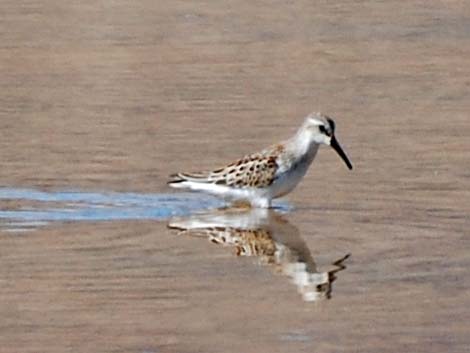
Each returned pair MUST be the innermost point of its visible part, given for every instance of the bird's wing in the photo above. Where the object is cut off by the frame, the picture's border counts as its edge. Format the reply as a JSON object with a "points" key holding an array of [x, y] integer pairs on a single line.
{"points": [[255, 170]]}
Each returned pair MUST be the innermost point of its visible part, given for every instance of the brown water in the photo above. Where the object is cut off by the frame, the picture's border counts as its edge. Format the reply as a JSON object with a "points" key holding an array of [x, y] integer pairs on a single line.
{"points": [[115, 95]]}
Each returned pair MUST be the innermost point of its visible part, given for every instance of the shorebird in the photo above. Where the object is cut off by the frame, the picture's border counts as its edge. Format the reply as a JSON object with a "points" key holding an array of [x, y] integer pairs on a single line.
{"points": [[275, 171]]}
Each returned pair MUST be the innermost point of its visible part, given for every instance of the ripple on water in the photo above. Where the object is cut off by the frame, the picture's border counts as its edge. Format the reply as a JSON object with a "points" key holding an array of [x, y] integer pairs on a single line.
{"points": [[23, 209], [93, 206]]}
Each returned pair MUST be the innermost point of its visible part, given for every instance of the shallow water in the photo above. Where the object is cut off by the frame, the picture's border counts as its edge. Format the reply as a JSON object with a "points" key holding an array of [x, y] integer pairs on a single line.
{"points": [[268, 236], [101, 101], [67, 206]]}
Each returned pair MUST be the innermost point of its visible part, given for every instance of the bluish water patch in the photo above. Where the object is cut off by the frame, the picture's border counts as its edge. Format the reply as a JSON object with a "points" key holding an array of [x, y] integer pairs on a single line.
{"points": [[72, 205], [93, 206]]}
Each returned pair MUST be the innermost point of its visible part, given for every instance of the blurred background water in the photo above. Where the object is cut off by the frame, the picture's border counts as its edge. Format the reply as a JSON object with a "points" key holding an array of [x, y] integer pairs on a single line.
{"points": [[101, 100]]}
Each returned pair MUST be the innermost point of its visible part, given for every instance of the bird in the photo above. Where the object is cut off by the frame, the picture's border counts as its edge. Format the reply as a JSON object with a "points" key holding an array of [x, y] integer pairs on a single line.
{"points": [[260, 177]]}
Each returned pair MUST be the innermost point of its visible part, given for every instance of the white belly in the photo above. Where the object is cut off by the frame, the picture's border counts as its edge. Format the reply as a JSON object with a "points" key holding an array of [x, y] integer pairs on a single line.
{"points": [[288, 180]]}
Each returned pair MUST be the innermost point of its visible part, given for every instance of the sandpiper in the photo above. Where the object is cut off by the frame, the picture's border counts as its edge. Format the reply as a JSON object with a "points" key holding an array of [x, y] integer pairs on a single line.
{"points": [[275, 171]]}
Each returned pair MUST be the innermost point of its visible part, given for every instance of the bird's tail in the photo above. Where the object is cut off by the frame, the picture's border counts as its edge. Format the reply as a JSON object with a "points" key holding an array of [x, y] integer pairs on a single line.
{"points": [[186, 180]]}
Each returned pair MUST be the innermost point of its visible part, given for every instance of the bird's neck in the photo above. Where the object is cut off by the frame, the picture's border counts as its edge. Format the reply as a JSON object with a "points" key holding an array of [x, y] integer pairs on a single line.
{"points": [[302, 145]]}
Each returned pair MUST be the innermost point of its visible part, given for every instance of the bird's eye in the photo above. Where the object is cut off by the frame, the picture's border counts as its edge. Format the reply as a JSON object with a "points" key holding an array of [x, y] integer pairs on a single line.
{"points": [[322, 129]]}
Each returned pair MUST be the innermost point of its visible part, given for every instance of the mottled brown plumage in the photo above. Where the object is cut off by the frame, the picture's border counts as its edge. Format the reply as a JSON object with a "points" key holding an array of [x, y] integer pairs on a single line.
{"points": [[255, 170]]}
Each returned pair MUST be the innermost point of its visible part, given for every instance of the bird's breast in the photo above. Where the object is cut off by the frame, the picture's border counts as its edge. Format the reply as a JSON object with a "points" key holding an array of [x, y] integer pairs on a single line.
{"points": [[288, 179]]}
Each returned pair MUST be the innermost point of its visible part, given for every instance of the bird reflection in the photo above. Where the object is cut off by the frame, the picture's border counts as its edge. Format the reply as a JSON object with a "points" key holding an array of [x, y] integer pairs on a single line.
{"points": [[269, 236]]}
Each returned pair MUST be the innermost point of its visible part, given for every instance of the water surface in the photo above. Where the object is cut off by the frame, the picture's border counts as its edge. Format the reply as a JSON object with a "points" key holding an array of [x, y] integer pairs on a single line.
{"points": [[100, 101], [34, 207]]}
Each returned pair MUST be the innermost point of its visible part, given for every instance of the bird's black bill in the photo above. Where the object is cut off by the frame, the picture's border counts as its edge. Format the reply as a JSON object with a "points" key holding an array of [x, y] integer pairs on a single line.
{"points": [[336, 146]]}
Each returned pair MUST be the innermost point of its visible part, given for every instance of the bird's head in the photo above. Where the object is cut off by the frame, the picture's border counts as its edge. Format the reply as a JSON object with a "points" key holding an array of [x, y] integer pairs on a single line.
{"points": [[321, 129]]}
